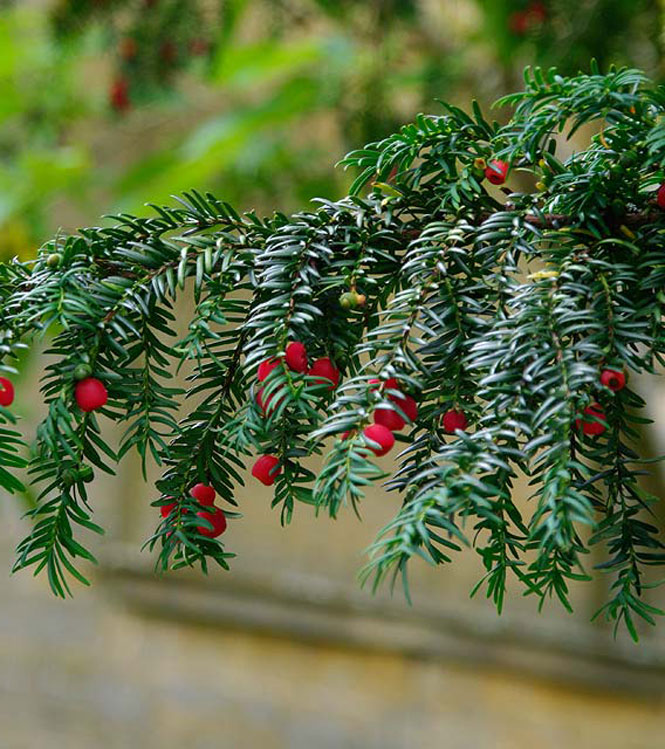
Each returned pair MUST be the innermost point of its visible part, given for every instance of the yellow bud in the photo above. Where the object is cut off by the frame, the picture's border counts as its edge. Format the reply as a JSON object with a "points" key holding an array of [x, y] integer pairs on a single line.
{"points": [[539, 275]]}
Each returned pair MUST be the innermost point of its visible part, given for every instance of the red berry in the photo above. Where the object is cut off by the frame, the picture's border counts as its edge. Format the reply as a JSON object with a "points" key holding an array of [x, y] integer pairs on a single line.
{"points": [[323, 369], [266, 367], [521, 21], [166, 509], [453, 420], [119, 95], [660, 197], [295, 357], [347, 434], [266, 469], [407, 405], [389, 419], [518, 22], [381, 439], [6, 392], [613, 379], [90, 394], [203, 493], [216, 518], [497, 172], [263, 403], [537, 12], [266, 404], [390, 384], [596, 425]]}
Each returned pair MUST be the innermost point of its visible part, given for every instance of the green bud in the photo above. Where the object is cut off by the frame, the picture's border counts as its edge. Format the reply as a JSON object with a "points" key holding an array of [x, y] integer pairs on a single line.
{"points": [[82, 371], [54, 260], [348, 300], [628, 158], [86, 474], [478, 167], [69, 477]]}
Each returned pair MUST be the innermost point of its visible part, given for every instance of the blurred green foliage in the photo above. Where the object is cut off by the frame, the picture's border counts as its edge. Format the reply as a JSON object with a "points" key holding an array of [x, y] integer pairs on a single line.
{"points": [[253, 98], [38, 105]]}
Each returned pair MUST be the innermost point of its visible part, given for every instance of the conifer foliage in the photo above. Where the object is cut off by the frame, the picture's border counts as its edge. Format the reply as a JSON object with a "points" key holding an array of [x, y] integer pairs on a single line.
{"points": [[488, 329]]}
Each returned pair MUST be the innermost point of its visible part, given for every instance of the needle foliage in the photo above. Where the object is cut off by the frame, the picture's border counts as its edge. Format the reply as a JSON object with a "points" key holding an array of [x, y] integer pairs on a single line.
{"points": [[505, 303]]}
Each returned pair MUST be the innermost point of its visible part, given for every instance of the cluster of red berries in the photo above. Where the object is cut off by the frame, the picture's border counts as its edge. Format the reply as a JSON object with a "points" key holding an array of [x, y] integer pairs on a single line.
{"points": [[387, 421], [128, 49], [522, 21], [379, 435], [6, 392], [389, 418], [593, 421], [266, 468], [204, 495], [295, 358], [89, 393], [168, 54]]}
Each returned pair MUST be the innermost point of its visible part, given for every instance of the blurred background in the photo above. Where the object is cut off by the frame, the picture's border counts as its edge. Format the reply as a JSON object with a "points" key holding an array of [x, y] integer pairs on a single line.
{"points": [[108, 104]]}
